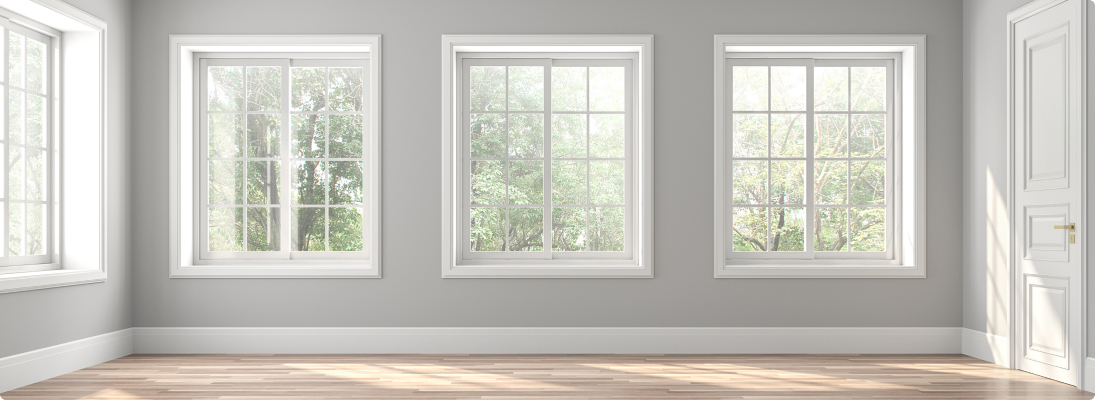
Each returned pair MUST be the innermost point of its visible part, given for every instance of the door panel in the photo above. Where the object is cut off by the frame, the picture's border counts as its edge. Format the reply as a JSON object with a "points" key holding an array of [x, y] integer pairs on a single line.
{"points": [[1047, 325], [1047, 133]]}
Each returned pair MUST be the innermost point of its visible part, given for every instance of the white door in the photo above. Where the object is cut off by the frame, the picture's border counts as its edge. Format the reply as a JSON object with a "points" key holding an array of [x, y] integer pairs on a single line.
{"points": [[1046, 124]]}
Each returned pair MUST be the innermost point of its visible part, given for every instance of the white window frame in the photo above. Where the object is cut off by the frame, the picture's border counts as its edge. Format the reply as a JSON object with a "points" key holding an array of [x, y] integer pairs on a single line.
{"points": [[547, 50], [189, 53], [906, 254]]}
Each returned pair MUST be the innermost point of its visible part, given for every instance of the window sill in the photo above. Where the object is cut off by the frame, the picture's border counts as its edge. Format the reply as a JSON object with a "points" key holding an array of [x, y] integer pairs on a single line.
{"points": [[821, 271], [361, 270], [544, 271], [23, 281]]}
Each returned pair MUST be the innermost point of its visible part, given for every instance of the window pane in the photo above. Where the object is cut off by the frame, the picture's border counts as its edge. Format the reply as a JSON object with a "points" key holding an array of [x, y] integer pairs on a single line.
{"points": [[868, 89], [606, 136], [606, 182], [750, 135], [831, 136], [526, 182], [346, 136], [526, 229], [750, 88], [526, 88], [36, 232], [750, 182], [15, 116], [606, 229], [868, 229], [788, 182], [488, 182], [526, 135], [831, 88], [15, 229], [788, 135], [15, 59], [868, 182], [36, 66], [750, 229], [868, 136], [263, 88], [788, 88], [606, 89], [225, 229], [568, 136], [309, 131], [831, 227], [15, 172], [568, 228], [488, 89], [308, 229], [488, 135], [226, 182], [264, 135], [36, 175], [308, 182], [568, 182], [788, 229], [830, 182], [346, 183], [309, 89], [36, 120], [345, 93], [568, 88], [488, 226], [346, 229], [263, 182], [225, 89], [225, 135], [263, 229]]}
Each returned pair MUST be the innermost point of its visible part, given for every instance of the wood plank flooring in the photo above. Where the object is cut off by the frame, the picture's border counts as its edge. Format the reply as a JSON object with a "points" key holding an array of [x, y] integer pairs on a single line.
{"points": [[546, 377]]}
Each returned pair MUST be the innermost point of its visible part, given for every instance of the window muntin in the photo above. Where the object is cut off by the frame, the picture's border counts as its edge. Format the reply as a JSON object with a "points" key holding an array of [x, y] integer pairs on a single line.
{"points": [[843, 111], [285, 160]]}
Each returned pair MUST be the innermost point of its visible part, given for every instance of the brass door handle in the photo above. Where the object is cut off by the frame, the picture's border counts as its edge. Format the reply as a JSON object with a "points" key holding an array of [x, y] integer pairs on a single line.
{"points": [[1071, 226]]}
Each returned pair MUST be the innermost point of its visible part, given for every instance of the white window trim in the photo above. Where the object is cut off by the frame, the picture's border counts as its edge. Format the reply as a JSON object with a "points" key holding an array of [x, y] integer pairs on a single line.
{"points": [[911, 118], [79, 123], [639, 265], [182, 262]]}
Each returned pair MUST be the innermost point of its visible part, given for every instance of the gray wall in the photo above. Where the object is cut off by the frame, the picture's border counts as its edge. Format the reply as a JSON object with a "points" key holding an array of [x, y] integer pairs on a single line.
{"points": [[412, 292], [41, 318]]}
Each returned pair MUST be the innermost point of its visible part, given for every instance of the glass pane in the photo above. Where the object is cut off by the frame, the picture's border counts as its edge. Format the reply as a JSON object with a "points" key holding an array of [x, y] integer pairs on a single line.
{"points": [[263, 229], [868, 229], [868, 136], [750, 88], [309, 131], [868, 182], [263, 88], [868, 88], [607, 89], [526, 229], [526, 182], [568, 136], [36, 120], [788, 182], [36, 234], [832, 227], [606, 229], [15, 116], [488, 182], [526, 88], [346, 136], [346, 229], [15, 172], [264, 135], [750, 182], [225, 229], [788, 135], [488, 135], [831, 89], [225, 89], [36, 175], [750, 135], [568, 88], [788, 88], [606, 136], [15, 59], [263, 182], [606, 182], [16, 235], [831, 136], [345, 93], [830, 182], [788, 229], [309, 89], [309, 229], [36, 66], [488, 89], [526, 135], [750, 229], [225, 135], [488, 228], [226, 182], [568, 182], [308, 182], [568, 228], [347, 186]]}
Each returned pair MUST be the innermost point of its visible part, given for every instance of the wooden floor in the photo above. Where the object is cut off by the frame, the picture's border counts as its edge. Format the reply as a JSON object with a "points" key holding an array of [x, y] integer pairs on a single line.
{"points": [[510, 377]]}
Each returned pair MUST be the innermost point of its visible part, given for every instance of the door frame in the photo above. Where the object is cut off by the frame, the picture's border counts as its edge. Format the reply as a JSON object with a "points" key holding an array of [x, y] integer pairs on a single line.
{"points": [[1014, 280]]}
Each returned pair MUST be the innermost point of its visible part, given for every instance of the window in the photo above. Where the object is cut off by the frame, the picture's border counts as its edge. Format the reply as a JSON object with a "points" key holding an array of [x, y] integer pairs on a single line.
{"points": [[284, 152], [818, 151], [548, 164]]}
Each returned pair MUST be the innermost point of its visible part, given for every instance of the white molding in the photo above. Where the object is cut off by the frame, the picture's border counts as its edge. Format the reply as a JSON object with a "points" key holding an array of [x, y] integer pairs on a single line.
{"points": [[1088, 380], [49, 279], [986, 346], [35, 366]]}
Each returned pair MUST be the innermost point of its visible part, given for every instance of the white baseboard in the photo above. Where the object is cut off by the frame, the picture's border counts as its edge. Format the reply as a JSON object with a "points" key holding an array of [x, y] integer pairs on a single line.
{"points": [[1088, 382], [986, 346], [38, 365], [548, 340]]}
